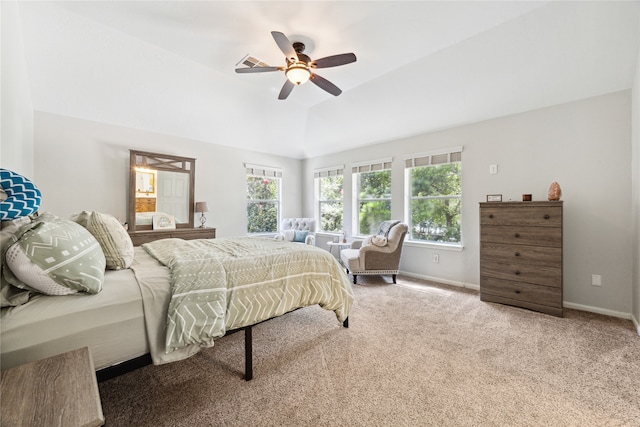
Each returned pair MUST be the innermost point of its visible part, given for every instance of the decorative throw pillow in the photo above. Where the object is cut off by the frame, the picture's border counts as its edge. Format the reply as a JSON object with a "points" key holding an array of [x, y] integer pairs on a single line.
{"points": [[378, 241], [289, 235], [10, 295], [300, 235], [113, 238], [385, 226], [23, 197], [56, 257], [82, 218]]}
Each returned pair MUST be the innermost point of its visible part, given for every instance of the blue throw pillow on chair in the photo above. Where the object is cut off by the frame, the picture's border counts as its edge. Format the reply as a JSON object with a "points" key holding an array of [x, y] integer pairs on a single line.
{"points": [[300, 236]]}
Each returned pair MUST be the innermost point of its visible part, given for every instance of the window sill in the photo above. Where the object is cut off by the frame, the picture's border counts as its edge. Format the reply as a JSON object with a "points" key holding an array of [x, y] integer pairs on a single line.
{"points": [[432, 245]]}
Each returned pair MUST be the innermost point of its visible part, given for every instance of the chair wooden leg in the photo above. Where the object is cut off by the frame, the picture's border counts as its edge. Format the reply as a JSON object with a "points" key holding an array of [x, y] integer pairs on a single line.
{"points": [[354, 279], [394, 278]]}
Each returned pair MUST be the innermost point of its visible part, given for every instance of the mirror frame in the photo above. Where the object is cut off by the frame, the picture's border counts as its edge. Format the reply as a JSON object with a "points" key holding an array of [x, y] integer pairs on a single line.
{"points": [[159, 162]]}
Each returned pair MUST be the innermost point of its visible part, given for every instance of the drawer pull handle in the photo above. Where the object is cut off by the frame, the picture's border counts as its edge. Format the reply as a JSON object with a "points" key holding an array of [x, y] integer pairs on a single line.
{"points": [[490, 215], [517, 235], [517, 291], [517, 254], [547, 216], [517, 273]]}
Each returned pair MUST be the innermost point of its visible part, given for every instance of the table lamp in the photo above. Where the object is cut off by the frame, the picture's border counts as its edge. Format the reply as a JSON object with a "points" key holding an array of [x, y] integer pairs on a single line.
{"points": [[202, 208]]}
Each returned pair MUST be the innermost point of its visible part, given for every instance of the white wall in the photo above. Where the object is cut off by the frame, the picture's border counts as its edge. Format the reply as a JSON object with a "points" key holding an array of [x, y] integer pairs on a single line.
{"points": [[83, 165], [635, 197], [583, 145], [16, 108]]}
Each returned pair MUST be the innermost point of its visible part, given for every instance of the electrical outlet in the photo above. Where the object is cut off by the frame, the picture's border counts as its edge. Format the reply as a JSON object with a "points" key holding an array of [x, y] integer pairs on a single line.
{"points": [[596, 280], [436, 258], [493, 169]]}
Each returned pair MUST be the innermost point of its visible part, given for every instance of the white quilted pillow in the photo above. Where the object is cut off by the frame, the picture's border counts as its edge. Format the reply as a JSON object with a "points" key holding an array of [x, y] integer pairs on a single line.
{"points": [[289, 235]]}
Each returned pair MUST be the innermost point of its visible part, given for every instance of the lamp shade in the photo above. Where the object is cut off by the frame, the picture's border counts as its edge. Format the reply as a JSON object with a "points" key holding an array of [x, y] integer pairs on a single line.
{"points": [[201, 207]]}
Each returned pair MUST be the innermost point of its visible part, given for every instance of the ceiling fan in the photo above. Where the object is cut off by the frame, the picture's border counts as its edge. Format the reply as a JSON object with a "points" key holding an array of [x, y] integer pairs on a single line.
{"points": [[299, 66]]}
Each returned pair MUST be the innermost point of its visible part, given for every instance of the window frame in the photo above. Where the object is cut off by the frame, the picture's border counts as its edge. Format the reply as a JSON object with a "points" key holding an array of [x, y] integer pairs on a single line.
{"points": [[319, 175], [357, 169], [264, 172], [432, 159]]}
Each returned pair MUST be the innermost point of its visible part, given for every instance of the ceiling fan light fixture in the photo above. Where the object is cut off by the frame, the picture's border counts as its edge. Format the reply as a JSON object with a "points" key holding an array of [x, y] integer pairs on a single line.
{"points": [[298, 73]]}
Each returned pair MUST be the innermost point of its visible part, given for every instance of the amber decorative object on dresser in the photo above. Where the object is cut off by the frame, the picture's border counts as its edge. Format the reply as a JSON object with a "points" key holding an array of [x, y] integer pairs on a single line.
{"points": [[521, 255], [555, 192]]}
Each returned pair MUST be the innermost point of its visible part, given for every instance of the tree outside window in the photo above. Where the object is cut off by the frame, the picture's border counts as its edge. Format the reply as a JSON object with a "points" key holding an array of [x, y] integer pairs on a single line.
{"points": [[330, 203], [434, 203], [374, 200], [263, 203]]}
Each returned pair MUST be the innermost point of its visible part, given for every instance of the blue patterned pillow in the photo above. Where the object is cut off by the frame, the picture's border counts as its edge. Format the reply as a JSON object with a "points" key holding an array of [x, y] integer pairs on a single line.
{"points": [[23, 198]]}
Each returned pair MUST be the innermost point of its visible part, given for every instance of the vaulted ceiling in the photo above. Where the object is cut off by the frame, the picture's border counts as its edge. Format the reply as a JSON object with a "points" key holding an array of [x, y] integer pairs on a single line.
{"points": [[168, 67]]}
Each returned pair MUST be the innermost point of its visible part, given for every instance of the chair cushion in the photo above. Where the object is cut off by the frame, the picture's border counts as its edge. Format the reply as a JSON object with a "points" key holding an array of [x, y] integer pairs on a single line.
{"points": [[351, 259]]}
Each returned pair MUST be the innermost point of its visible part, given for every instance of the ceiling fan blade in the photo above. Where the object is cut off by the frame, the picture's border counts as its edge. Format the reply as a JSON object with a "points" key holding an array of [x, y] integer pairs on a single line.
{"points": [[334, 61], [257, 69], [325, 84], [285, 46], [286, 89]]}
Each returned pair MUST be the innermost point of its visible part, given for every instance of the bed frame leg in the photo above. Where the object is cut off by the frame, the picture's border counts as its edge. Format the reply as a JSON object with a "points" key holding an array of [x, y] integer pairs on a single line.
{"points": [[248, 354], [346, 323]]}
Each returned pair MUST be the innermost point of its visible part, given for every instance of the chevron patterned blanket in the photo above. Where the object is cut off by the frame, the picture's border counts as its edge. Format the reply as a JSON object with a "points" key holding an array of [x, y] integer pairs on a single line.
{"points": [[228, 283]]}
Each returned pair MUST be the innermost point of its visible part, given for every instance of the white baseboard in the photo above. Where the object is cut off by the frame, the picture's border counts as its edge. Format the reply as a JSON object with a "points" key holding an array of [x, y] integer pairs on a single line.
{"points": [[566, 304], [635, 323], [441, 280], [597, 310]]}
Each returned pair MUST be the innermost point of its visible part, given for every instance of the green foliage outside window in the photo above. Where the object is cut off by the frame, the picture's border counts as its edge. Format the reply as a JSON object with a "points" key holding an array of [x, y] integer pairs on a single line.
{"points": [[435, 203], [330, 204], [262, 204], [374, 200]]}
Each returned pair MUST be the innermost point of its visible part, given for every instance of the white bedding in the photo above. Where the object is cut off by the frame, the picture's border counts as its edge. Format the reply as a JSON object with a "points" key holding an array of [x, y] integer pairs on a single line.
{"points": [[110, 323]]}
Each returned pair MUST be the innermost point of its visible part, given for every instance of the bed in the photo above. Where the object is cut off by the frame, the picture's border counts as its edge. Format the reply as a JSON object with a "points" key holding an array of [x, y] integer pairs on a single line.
{"points": [[135, 315]]}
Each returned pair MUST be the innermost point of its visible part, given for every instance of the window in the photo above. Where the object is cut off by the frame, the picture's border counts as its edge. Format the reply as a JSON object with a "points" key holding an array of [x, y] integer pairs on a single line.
{"points": [[329, 199], [372, 195], [263, 199], [434, 192]]}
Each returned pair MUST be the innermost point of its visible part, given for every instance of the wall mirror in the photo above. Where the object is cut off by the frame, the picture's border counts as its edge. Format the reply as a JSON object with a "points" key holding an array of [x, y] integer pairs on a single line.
{"points": [[160, 184]]}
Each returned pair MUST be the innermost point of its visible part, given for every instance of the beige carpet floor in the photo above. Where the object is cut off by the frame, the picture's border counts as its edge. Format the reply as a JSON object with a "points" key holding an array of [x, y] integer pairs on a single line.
{"points": [[415, 354]]}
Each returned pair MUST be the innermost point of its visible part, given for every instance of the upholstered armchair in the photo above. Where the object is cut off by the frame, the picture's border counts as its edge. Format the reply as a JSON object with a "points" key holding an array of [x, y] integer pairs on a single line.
{"points": [[378, 254], [301, 230]]}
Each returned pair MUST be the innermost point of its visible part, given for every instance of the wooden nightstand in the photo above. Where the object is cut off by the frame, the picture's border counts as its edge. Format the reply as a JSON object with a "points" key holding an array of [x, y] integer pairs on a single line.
{"points": [[57, 391], [146, 236]]}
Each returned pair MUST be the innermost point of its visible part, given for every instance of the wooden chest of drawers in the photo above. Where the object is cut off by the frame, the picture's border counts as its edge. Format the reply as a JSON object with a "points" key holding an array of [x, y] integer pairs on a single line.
{"points": [[521, 255], [146, 236]]}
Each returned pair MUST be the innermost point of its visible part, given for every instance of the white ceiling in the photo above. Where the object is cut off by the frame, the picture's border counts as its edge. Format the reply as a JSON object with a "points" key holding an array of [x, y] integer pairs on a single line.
{"points": [[168, 67]]}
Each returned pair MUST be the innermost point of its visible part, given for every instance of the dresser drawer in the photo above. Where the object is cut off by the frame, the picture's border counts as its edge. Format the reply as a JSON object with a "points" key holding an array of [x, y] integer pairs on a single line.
{"points": [[145, 204], [524, 292], [520, 235], [521, 272], [533, 216], [522, 254]]}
